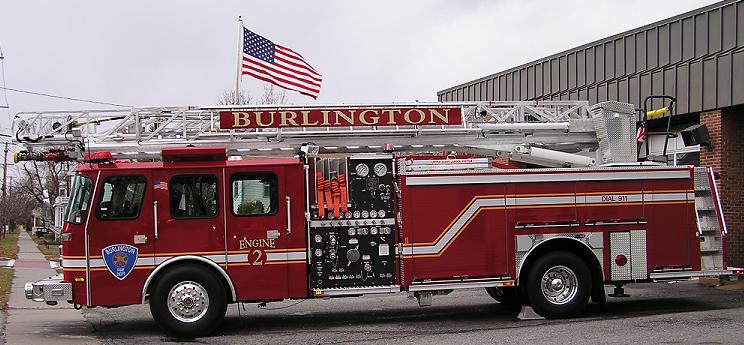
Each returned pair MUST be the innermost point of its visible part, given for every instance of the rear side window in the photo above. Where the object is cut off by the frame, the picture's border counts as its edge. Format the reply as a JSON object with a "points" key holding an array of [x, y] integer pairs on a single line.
{"points": [[121, 197], [193, 196], [254, 194]]}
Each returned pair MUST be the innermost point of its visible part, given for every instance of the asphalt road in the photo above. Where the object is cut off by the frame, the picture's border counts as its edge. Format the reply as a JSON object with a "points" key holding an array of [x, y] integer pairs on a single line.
{"points": [[655, 313]]}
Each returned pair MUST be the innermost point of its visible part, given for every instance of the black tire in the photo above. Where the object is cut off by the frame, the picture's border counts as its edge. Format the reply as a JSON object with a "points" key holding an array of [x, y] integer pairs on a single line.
{"points": [[559, 300], [191, 282], [506, 295]]}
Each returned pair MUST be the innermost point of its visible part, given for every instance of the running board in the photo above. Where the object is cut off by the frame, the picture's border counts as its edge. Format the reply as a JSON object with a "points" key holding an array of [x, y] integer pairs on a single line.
{"points": [[692, 274], [460, 284], [356, 291]]}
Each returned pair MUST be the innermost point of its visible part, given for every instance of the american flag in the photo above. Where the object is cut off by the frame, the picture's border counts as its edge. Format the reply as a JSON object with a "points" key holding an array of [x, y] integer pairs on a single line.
{"points": [[641, 134], [281, 66]]}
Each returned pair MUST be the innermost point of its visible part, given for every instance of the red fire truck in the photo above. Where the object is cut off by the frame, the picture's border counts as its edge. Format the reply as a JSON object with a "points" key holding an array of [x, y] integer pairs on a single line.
{"points": [[378, 199]]}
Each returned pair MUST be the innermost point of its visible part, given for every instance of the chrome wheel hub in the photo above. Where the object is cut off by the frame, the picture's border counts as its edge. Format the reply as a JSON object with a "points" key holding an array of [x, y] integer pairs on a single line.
{"points": [[559, 285], [188, 301]]}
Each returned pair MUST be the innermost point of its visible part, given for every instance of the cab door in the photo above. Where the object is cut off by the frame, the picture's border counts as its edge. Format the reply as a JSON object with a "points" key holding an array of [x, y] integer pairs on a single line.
{"points": [[190, 213], [265, 231], [120, 237]]}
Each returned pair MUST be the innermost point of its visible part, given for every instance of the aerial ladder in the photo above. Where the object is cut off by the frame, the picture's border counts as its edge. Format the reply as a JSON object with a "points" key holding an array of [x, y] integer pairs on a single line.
{"points": [[544, 133]]}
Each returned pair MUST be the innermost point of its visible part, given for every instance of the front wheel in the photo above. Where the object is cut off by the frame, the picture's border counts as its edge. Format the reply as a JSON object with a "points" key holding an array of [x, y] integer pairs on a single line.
{"points": [[188, 301], [559, 285]]}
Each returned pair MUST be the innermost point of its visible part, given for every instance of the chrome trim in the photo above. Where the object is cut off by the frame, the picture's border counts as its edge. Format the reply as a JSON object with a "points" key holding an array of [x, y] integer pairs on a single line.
{"points": [[188, 257], [289, 215], [558, 177], [692, 274], [87, 241], [540, 226], [719, 205], [352, 222], [362, 290], [155, 217], [607, 223], [461, 285]]}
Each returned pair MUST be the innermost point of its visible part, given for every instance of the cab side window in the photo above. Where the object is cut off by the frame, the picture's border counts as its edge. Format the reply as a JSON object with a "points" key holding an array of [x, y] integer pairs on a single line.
{"points": [[121, 197], [254, 194], [193, 196]]}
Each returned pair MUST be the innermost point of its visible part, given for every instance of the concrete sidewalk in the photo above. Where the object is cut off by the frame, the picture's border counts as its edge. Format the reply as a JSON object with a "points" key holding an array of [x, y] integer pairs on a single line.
{"points": [[37, 323]]}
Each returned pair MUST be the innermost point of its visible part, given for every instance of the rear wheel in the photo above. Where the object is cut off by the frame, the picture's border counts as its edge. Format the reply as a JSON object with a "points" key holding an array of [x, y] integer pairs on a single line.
{"points": [[559, 285], [506, 295], [188, 301]]}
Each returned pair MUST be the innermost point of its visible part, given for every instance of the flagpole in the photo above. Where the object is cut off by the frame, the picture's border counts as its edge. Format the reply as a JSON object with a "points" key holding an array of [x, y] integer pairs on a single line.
{"points": [[240, 60]]}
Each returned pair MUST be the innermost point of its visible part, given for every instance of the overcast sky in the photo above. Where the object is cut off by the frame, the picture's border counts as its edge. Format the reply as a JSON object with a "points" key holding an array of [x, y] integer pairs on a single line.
{"points": [[145, 53]]}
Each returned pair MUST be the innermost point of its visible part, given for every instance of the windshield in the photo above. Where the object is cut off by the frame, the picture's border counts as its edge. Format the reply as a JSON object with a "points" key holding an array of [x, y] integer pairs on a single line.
{"points": [[79, 199]]}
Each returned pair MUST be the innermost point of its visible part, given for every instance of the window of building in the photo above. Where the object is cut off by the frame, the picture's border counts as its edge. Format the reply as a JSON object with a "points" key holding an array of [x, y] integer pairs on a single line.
{"points": [[121, 197], [193, 196], [254, 194]]}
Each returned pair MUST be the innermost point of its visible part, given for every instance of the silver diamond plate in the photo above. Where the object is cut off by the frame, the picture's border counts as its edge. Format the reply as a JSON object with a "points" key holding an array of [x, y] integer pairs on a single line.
{"points": [[620, 244], [525, 243], [638, 254], [614, 123]]}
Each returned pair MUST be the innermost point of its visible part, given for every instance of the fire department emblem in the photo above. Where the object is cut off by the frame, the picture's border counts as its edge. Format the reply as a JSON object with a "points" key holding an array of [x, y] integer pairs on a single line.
{"points": [[120, 259]]}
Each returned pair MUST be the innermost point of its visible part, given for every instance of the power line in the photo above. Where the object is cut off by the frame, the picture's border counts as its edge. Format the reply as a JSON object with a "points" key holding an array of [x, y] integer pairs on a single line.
{"points": [[63, 97]]}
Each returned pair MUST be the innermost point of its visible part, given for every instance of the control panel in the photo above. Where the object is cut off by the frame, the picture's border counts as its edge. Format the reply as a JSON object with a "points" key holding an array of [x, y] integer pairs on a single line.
{"points": [[354, 246]]}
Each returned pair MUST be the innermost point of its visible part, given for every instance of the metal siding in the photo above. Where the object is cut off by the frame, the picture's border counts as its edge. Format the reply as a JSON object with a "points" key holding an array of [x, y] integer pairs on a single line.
{"points": [[663, 49], [701, 35], [580, 68], [696, 87], [714, 31], [640, 51], [682, 89], [675, 42], [688, 38], [729, 27], [609, 53], [738, 78], [724, 80], [590, 66], [622, 90], [696, 57], [709, 83], [652, 50], [630, 58]]}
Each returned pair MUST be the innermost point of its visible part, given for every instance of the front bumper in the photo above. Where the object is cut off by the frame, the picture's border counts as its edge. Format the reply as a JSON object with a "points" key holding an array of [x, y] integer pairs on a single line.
{"points": [[50, 290]]}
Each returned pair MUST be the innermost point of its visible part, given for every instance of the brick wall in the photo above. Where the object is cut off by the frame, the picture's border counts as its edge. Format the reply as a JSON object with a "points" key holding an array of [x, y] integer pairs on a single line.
{"points": [[726, 128]]}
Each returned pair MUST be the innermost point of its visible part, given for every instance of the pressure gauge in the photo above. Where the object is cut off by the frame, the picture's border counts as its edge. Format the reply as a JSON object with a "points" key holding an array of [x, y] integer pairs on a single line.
{"points": [[380, 169], [362, 170], [381, 213]]}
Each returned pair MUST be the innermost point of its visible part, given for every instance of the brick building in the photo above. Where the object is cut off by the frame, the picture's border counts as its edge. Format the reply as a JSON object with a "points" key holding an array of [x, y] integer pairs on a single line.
{"points": [[696, 57]]}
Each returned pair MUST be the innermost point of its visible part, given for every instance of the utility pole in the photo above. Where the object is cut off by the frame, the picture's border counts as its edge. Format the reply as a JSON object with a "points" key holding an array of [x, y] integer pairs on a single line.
{"points": [[5, 170]]}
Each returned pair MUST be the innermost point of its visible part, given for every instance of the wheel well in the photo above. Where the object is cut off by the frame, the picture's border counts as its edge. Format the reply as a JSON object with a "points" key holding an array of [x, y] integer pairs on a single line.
{"points": [[167, 266], [573, 246]]}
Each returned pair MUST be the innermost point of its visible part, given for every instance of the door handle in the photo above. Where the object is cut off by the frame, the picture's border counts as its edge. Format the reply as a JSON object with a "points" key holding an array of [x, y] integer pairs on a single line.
{"points": [[289, 216], [155, 217]]}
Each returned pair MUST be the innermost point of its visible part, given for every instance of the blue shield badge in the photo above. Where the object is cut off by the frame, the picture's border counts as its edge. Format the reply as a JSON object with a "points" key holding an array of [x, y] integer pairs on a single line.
{"points": [[120, 259]]}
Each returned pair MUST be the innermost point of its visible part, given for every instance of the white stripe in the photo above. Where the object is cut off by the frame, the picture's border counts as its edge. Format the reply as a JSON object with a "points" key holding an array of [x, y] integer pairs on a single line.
{"points": [[266, 74], [282, 67], [296, 57], [666, 197], [286, 256], [556, 177], [526, 201], [302, 68], [254, 65]]}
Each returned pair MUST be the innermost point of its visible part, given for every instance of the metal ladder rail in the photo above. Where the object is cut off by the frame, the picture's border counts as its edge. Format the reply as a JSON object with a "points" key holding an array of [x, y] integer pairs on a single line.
{"points": [[711, 227]]}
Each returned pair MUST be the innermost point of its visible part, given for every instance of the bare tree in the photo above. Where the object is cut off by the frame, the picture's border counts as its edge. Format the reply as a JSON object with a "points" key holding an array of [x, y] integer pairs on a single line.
{"points": [[41, 182], [229, 98], [273, 95]]}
